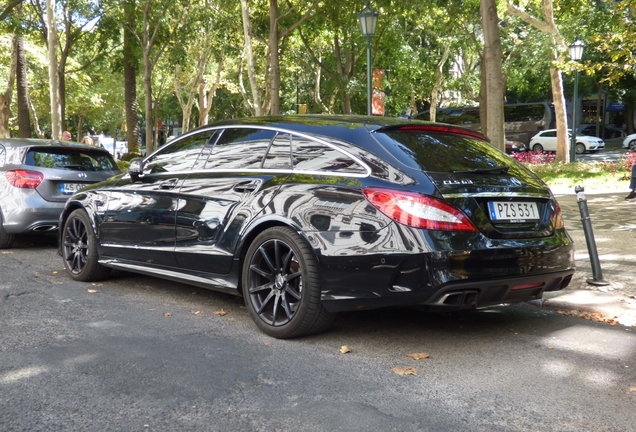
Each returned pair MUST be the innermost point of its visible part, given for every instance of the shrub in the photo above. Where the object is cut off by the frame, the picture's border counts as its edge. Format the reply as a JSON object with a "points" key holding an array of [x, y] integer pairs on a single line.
{"points": [[534, 157]]}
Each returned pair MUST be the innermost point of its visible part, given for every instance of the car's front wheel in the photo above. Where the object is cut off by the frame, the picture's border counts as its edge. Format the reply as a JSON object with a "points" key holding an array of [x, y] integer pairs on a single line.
{"points": [[6, 239], [281, 285], [79, 249], [632, 145], [580, 148], [537, 148]]}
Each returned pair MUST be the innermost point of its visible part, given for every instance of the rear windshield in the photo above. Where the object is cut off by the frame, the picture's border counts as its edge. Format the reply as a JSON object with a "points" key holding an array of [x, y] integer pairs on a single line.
{"points": [[442, 153], [72, 159]]}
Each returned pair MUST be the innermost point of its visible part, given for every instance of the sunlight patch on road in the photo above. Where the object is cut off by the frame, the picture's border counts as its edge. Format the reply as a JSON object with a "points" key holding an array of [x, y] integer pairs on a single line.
{"points": [[20, 374], [600, 342]]}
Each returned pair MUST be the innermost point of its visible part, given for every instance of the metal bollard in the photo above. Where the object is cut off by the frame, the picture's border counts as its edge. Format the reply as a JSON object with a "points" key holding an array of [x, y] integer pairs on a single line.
{"points": [[589, 238]]}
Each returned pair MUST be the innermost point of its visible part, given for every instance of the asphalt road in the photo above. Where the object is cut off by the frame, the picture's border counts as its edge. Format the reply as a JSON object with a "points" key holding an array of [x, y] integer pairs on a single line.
{"points": [[142, 354]]}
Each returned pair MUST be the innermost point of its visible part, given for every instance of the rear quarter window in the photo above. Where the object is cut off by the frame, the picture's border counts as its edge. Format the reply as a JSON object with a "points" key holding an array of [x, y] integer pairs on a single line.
{"points": [[442, 153], [72, 159]]}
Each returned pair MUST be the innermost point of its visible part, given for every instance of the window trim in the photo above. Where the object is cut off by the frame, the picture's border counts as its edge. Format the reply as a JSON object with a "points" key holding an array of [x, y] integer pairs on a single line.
{"points": [[270, 170]]}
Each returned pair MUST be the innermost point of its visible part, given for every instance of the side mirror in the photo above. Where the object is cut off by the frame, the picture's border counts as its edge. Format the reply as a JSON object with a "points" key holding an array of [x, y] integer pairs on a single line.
{"points": [[136, 168]]}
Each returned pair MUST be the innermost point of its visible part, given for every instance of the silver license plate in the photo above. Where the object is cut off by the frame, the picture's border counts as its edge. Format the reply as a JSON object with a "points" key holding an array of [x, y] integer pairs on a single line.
{"points": [[71, 188], [518, 211]]}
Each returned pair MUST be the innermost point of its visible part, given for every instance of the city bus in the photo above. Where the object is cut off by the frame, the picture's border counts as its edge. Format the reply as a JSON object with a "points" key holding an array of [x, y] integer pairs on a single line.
{"points": [[521, 121]]}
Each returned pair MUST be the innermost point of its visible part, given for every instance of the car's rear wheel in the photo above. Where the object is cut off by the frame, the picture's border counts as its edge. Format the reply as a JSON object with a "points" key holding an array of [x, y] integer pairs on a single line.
{"points": [[6, 239], [79, 249], [537, 148], [580, 148], [632, 145], [281, 285]]}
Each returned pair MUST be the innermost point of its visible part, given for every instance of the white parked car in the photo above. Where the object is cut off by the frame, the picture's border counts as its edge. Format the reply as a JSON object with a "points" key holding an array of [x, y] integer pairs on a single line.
{"points": [[547, 141], [630, 142]]}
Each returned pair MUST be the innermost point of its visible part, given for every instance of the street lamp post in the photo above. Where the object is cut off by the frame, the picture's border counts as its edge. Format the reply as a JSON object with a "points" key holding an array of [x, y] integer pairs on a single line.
{"points": [[368, 20], [576, 52]]}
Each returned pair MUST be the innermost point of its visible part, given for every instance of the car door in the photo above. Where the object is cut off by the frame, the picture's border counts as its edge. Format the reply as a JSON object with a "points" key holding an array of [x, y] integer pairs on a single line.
{"points": [[217, 200], [139, 224]]}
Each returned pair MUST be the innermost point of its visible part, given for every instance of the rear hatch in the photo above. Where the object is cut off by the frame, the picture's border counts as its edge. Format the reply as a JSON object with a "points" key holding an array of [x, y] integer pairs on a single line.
{"points": [[499, 195], [66, 170]]}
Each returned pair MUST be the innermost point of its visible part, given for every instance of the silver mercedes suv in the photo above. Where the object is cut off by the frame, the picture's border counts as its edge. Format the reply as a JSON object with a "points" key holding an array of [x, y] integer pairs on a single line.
{"points": [[38, 176]]}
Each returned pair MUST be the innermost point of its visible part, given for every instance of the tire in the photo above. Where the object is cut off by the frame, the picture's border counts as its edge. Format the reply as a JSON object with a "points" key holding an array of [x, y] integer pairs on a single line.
{"points": [[537, 148], [6, 239], [79, 249], [281, 285], [632, 145], [580, 148]]}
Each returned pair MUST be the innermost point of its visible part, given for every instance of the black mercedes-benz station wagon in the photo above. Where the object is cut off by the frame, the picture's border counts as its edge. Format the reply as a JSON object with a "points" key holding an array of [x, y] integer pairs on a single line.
{"points": [[306, 216]]}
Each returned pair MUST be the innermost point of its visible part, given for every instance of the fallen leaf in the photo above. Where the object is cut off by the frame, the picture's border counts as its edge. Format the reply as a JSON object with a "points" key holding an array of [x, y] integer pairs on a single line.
{"points": [[94, 284], [220, 313], [418, 356], [53, 272], [197, 312], [550, 347], [92, 291], [345, 349], [167, 314], [152, 310], [632, 389], [268, 343], [405, 371], [6, 252]]}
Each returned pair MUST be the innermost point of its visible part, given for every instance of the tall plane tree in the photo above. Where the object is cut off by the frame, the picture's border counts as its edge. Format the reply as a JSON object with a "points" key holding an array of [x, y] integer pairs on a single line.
{"points": [[558, 46], [492, 98]]}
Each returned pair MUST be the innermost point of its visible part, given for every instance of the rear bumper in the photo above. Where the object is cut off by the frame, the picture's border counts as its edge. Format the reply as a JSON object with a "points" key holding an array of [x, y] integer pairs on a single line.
{"points": [[30, 213], [462, 295]]}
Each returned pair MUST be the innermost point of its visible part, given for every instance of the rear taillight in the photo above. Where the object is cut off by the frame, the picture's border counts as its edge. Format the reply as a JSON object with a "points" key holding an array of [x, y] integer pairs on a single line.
{"points": [[557, 219], [25, 179], [418, 211]]}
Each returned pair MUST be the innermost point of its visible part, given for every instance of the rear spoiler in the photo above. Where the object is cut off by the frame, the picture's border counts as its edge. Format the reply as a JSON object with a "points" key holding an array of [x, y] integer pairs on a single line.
{"points": [[432, 128]]}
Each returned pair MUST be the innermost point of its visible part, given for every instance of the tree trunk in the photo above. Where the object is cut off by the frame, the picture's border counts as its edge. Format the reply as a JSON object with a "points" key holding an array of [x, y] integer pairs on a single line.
{"points": [[22, 90], [206, 97], [274, 76], [130, 80], [5, 98], [438, 83], [56, 123], [251, 72], [492, 67], [563, 142], [36, 122]]}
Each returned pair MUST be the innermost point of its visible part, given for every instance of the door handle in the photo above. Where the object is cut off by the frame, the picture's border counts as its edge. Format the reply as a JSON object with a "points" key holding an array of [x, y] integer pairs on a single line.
{"points": [[247, 186], [168, 184]]}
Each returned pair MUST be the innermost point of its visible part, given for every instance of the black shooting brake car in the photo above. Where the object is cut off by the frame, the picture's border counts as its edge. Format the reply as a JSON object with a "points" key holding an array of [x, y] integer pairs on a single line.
{"points": [[306, 216]]}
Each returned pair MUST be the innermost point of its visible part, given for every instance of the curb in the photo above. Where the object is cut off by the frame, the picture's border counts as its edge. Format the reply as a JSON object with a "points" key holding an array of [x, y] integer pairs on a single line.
{"points": [[615, 309]]}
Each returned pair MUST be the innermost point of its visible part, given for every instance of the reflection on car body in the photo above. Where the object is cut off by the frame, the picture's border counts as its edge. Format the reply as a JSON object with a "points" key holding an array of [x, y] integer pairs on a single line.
{"points": [[306, 216]]}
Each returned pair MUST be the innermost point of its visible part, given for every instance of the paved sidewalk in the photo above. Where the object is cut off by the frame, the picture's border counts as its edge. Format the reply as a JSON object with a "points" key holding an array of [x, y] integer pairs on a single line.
{"points": [[614, 228]]}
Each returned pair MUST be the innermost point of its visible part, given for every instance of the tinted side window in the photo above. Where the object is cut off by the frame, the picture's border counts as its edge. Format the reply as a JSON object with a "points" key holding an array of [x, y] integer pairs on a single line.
{"points": [[551, 134], [279, 153], [179, 155], [309, 155], [240, 148], [71, 159]]}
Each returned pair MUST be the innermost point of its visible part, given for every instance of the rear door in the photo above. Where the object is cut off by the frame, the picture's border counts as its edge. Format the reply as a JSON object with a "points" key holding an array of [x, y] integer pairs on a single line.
{"points": [[220, 197]]}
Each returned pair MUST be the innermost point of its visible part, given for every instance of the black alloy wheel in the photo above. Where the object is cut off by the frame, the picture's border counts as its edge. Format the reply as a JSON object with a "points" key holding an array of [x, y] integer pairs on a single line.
{"points": [[580, 148], [281, 285], [79, 249], [632, 145]]}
